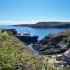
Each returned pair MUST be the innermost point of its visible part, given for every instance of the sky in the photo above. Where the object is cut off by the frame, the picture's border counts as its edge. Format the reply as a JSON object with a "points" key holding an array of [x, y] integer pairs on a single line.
{"points": [[33, 11]]}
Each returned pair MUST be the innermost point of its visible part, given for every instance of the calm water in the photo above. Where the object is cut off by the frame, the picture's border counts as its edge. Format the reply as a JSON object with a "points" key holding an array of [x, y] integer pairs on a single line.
{"points": [[33, 31]]}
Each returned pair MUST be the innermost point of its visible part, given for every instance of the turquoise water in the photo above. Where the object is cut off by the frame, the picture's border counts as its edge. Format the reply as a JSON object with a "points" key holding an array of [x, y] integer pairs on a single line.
{"points": [[33, 31]]}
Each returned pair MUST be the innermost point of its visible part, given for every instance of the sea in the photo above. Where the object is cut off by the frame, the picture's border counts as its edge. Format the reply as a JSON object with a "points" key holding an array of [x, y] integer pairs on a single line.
{"points": [[41, 32]]}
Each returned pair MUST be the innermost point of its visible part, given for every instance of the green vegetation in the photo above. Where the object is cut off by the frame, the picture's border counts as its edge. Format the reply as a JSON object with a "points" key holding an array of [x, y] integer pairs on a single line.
{"points": [[14, 55]]}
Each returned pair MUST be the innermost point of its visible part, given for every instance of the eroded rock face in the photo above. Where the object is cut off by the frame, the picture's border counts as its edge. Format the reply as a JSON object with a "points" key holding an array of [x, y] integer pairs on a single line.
{"points": [[54, 43]]}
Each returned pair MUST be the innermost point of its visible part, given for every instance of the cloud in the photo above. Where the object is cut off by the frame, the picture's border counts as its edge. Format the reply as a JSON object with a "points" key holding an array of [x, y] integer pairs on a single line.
{"points": [[15, 22]]}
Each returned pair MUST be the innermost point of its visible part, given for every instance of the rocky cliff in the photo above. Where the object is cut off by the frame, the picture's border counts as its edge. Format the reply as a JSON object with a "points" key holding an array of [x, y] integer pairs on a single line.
{"points": [[54, 43]]}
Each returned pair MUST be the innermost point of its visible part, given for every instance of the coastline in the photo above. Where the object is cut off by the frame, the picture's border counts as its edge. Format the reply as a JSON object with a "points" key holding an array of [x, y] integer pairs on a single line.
{"points": [[59, 25]]}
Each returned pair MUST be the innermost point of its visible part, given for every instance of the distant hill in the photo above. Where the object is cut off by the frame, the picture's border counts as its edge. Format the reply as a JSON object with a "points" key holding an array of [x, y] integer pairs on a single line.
{"points": [[48, 25]]}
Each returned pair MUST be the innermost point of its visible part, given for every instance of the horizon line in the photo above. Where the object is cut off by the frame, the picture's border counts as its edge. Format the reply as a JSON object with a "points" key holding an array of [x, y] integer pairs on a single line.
{"points": [[24, 22]]}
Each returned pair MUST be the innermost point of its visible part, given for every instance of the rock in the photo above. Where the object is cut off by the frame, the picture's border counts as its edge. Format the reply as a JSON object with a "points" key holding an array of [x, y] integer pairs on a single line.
{"points": [[54, 43]]}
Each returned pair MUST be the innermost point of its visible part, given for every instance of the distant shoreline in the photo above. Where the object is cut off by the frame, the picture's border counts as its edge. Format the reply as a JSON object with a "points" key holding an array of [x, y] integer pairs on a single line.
{"points": [[47, 25]]}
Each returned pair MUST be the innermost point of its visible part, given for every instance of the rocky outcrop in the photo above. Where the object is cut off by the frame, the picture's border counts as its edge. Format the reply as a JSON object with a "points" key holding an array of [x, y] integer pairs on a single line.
{"points": [[54, 43]]}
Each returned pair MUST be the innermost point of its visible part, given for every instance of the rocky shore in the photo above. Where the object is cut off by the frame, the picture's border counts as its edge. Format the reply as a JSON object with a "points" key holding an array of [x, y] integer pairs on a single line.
{"points": [[54, 43]]}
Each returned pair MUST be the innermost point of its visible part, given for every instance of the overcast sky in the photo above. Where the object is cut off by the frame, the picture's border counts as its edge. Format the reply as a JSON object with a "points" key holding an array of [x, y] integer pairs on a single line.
{"points": [[32, 11]]}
